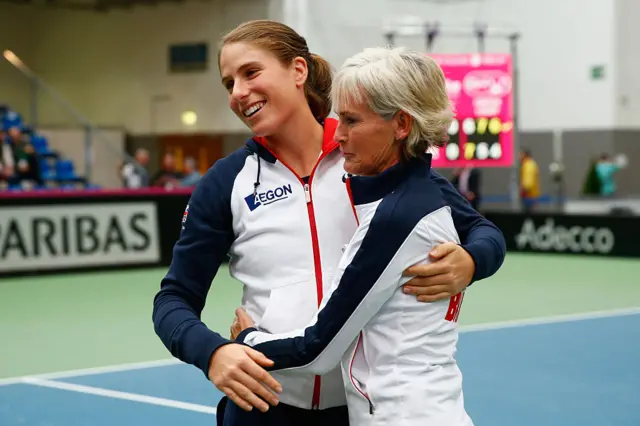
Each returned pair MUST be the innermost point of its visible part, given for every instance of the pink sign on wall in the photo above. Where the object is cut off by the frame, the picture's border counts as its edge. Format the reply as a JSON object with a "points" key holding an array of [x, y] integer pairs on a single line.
{"points": [[480, 87]]}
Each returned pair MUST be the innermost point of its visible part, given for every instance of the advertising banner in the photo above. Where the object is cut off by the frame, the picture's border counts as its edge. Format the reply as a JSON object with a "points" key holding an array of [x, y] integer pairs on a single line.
{"points": [[480, 87]]}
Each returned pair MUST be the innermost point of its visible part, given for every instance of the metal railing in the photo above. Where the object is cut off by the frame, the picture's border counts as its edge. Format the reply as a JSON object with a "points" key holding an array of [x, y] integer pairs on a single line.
{"points": [[91, 132]]}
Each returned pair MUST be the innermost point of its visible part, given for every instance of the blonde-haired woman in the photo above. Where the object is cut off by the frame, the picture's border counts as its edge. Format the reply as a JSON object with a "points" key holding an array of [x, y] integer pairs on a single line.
{"points": [[397, 355]]}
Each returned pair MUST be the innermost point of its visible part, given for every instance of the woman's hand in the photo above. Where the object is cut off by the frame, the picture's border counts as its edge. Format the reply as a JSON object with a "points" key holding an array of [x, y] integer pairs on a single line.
{"points": [[241, 322], [237, 370], [450, 272]]}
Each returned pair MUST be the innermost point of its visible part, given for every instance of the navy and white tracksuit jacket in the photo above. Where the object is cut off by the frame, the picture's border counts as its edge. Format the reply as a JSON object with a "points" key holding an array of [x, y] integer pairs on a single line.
{"points": [[284, 238], [397, 354]]}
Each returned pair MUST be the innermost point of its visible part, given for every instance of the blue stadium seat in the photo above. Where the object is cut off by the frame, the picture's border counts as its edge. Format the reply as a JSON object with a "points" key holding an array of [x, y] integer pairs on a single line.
{"points": [[65, 170], [11, 119], [40, 144], [45, 170], [52, 168]]}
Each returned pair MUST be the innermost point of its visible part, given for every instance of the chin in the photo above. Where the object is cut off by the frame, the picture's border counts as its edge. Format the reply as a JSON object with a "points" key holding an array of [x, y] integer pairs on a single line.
{"points": [[265, 127], [351, 168]]}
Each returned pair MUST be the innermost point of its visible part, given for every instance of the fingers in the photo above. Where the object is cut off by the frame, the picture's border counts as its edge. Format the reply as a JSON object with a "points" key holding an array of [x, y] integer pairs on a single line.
{"points": [[259, 357], [434, 298], [244, 320], [442, 250], [257, 388], [235, 371], [235, 329], [435, 268], [248, 398], [427, 270], [430, 290], [235, 398], [261, 374]]}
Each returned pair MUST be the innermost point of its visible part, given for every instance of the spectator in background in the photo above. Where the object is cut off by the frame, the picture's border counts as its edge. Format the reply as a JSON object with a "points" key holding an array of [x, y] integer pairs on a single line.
{"points": [[6, 159], [591, 184], [26, 166], [167, 177], [467, 182], [529, 180], [191, 174], [606, 168], [135, 174]]}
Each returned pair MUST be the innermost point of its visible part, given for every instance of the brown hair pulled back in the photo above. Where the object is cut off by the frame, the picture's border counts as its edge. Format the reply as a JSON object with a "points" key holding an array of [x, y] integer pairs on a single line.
{"points": [[286, 44]]}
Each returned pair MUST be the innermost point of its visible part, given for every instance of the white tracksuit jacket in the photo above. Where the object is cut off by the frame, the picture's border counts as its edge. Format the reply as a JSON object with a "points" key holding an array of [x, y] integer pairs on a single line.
{"points": [[284, 240], [397, 355]]}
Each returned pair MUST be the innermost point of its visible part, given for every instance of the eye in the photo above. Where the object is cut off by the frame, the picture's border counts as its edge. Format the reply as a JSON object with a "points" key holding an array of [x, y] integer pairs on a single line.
{"points": [[350, 120], [228, 85], [251, 73]]}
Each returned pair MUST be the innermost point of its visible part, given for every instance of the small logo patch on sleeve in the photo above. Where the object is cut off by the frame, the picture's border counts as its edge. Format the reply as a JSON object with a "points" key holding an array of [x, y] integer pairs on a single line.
{"points": [[184, 216]]}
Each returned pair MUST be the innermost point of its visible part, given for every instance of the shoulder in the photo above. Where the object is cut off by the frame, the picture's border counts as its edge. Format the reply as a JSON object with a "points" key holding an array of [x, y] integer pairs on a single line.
{"points": [[232, 163], [414, 200], [224, 171], [217, 182]]}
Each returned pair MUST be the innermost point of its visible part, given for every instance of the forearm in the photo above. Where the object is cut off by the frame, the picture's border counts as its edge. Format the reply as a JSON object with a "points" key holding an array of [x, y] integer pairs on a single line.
{"points": [[486, 245], [204, 241], [182, 332], [482, 239]]}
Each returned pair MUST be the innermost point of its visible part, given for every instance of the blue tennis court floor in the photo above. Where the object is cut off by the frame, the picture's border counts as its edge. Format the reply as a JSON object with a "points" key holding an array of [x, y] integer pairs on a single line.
{"points": [[578, 370]]}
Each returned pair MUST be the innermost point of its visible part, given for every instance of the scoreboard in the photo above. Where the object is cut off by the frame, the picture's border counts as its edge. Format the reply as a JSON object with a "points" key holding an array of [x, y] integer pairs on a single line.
{"points": [[480, 87]]}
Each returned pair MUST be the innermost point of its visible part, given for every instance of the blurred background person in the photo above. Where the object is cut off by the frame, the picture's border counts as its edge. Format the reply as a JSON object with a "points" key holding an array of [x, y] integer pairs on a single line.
{"points": [[135, 174], [26, 168], [168, 176], [191, 174], [6, 160], [606, 169], [467, 182], [529, 180]]}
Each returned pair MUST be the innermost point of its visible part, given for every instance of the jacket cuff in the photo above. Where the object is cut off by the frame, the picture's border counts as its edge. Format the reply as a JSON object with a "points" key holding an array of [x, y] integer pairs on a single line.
{"points": [[243, 335]]}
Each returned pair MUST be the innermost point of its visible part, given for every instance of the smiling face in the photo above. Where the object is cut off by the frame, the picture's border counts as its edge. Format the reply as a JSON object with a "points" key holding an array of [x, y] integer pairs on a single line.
{"points": [[370, 143], [263, 92]]}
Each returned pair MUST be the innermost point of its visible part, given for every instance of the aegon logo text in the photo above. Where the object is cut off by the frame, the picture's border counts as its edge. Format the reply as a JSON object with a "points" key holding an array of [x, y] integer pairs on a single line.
{"points": [[576, 238], [268, 197]]}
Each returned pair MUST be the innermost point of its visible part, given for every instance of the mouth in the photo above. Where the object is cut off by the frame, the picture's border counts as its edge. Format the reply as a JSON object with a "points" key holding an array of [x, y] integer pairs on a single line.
{"points": [[253, 109]]}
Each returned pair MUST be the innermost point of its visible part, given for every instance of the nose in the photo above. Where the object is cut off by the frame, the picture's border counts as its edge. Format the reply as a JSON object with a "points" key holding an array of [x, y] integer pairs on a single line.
{"points": [[240, 91], [340, 135]]}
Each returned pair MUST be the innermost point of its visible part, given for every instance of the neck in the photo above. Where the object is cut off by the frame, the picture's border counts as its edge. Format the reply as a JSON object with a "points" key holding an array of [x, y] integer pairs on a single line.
{"points": [[299, 142], [389, 159]]}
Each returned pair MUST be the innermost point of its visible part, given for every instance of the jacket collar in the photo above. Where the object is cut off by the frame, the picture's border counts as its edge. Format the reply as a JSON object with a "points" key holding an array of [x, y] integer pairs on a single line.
{"points": [[259, 144], [367, 189]]}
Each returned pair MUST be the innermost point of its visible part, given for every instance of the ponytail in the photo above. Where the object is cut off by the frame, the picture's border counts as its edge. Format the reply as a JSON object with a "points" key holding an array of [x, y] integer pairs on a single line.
{"points": [[317, 89]]}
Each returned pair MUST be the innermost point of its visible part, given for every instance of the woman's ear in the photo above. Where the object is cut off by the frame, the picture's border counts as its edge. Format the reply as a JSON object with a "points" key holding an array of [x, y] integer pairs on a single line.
{"points": [[301, 71], [403, 125]]}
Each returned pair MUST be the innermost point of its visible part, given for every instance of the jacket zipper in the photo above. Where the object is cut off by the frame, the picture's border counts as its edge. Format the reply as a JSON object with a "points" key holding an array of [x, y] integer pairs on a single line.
{"points": [[353, 382], [360, 338], [315, 400]]}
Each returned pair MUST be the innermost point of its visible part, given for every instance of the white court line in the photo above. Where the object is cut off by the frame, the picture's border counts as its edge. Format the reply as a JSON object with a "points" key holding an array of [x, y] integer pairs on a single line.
{"points": [[91, 371], [464, 329], [552, 319], [119, 395]]}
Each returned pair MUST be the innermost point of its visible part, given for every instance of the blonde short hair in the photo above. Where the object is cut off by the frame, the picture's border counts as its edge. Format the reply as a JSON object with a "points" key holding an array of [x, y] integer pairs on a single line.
{"points": [[398, 79]]}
